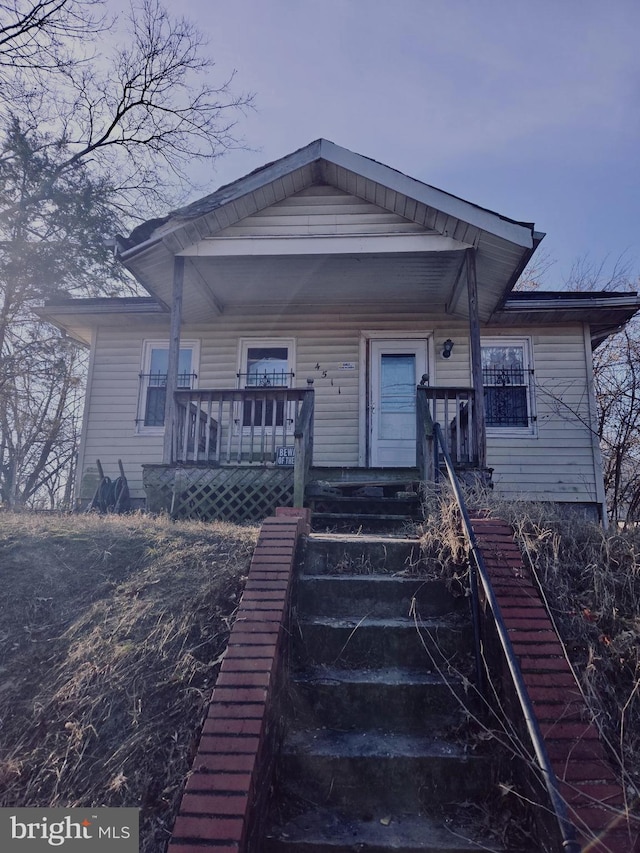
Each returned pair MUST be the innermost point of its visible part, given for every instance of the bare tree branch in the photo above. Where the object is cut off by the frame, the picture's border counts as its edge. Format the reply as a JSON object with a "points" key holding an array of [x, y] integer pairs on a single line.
{"points": [[100, 121]]}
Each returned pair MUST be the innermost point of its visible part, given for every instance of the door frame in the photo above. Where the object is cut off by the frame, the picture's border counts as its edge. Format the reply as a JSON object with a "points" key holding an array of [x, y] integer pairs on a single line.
{"points": [[364, 380]]}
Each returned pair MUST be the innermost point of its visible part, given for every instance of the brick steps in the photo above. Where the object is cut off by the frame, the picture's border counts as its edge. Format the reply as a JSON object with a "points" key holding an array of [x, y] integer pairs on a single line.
{"points": [[223, 788]]}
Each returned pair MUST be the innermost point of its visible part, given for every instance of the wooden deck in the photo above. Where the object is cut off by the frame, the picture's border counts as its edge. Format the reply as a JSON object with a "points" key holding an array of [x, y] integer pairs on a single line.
{"points": [[238, 454]]}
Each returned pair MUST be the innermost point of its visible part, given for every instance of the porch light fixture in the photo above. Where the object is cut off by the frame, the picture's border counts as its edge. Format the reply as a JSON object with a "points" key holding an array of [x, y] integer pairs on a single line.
{"points": [[446, 348]]}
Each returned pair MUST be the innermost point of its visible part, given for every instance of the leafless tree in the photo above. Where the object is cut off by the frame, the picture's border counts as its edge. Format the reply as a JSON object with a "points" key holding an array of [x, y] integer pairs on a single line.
{"points": [[43, 35], [617, 381], [100, 120]]}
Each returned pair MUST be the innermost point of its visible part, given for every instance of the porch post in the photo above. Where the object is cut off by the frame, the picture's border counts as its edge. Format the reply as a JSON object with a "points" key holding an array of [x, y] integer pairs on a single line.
{"points": [[174, 357], [476, 359]]}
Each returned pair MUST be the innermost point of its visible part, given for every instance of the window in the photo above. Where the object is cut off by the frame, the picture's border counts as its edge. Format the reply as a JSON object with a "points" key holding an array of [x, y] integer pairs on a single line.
{"points": [[267, 367], [265, 364], [506, 376], [153, 381]]}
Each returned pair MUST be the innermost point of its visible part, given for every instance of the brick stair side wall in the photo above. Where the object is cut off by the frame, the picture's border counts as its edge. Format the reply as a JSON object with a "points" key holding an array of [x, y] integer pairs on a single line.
{"points": [[590, 787], [222, 797]]}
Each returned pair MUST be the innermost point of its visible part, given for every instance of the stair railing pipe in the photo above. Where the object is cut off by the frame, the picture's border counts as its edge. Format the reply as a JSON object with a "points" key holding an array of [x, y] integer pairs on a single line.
{"points": [[569, 842]]}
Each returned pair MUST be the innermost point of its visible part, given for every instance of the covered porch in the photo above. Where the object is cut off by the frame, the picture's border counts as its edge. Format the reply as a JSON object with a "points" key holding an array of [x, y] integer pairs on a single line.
{"points": [[236, 454]]}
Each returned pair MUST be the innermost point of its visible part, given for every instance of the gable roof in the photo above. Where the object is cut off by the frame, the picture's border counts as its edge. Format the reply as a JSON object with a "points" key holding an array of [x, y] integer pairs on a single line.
{"points": [[428, 266], [234, 259], [329, 159]]}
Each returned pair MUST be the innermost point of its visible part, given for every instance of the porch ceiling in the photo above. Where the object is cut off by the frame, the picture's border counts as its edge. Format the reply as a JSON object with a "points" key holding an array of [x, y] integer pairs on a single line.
{"points": [[316, 281], [214, 285], [303, 268]]}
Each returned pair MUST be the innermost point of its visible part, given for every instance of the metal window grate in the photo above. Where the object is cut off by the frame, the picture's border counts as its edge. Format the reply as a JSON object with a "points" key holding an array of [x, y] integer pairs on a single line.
{"points": [[266, 379], [153, 386], [159, 380], [506, 393], [506, 407], [504, 376]]}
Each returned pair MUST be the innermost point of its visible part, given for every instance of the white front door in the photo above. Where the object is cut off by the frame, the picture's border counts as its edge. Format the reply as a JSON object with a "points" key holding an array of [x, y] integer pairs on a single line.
{"points": [[396, 369]]}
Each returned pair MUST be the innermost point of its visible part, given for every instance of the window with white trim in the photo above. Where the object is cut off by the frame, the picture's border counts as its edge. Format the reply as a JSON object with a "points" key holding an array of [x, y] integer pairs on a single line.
{"points": [[507, 378], [265, 363], [153, 381]]}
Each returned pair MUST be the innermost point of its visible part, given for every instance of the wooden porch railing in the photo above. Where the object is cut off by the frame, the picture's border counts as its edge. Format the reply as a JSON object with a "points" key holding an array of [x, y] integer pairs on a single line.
{"points": [[454, 409], [303, 445], [248, 426]]}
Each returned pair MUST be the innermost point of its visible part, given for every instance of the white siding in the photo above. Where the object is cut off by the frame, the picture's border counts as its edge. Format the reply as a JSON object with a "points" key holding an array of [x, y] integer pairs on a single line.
{"points": [[554, 464], [557, 462], [321, 210]]}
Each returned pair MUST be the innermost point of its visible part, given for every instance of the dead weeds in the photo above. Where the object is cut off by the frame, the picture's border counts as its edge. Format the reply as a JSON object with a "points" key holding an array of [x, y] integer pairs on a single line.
{"points": [[590, 579], [111, 631]]}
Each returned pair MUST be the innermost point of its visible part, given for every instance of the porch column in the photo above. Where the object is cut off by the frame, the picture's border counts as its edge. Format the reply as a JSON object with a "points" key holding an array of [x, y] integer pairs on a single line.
{"points": [[476, 358], [174, 357]]}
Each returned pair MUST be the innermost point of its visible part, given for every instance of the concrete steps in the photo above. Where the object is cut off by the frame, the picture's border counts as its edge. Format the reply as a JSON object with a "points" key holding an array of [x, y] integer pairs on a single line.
{"points": [[376, 596], [368, 498], [395, 697], [380, 771], [378, 642], [372, 757], [326, 831]]}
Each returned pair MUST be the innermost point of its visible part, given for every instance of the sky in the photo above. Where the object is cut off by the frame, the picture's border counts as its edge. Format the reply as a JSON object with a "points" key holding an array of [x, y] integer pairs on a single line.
{"points": [[531, 109]]}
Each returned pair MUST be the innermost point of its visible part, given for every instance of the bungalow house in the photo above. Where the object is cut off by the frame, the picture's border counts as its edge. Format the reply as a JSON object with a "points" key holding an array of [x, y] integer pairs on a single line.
{"points": [[304, 326]]}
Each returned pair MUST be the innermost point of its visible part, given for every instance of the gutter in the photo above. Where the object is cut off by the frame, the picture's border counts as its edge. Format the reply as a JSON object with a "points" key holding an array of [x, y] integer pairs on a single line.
{"points": [[45, 311], [628, 302]]}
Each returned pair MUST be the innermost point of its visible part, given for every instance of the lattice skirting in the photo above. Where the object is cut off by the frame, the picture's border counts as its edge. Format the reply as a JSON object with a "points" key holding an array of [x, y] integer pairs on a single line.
{"points": [[227, 494]]}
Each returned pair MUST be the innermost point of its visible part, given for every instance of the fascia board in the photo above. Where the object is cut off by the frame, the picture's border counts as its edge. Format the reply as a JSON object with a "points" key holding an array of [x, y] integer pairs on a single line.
{"points": [[81, 308], [322, 149], [243, 186], [521, 235], [621, 302]]}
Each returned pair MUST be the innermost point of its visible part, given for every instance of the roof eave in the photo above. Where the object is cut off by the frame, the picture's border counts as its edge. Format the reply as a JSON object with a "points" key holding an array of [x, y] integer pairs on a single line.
{"points": [[604, 314], [518, 233], [630, 301], [104, 305]]}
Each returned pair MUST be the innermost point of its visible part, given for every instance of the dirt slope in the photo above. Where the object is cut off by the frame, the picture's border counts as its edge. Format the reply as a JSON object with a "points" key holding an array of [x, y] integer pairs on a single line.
{"points": [[110, 634]]}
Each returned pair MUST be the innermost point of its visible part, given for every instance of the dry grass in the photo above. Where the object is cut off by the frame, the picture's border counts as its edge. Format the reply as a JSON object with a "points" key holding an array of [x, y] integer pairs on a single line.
{"points": [[590, 579], [111, 630]]}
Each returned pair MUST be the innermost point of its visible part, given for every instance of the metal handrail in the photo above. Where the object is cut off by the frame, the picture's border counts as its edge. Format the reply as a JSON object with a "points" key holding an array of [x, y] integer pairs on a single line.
{"points": [[567, 829]]}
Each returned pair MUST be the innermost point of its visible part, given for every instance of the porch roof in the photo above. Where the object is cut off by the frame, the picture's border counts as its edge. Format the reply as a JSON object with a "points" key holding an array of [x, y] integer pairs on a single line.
{"points": [[418, 268], [604, 312]]}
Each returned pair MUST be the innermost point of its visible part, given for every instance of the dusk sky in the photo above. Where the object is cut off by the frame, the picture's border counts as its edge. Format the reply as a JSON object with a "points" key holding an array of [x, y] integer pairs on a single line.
{"points": [[528, 108]]}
